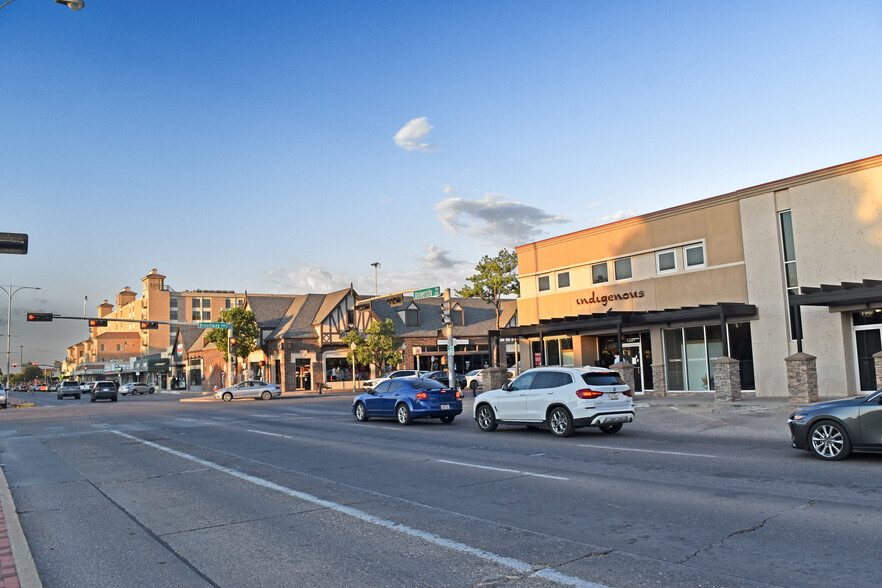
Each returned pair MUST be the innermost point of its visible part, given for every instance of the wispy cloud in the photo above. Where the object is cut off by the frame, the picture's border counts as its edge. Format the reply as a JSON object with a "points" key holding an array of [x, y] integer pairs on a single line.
{"points": [[494, 219], [412, 133], [617, 216], [437, 258], [449, 190]]}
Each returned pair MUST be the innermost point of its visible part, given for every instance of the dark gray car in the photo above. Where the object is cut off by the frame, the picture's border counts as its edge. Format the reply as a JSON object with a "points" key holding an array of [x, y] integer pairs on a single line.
{"points": [[831, 430]]}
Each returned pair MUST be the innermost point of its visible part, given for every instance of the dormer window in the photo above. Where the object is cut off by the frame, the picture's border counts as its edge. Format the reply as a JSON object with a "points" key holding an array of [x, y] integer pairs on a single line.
{"points": [[410, 315], [457, 315]]}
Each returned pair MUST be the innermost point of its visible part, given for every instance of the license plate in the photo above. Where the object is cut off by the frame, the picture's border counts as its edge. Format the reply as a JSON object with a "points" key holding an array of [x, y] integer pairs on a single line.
{"points": [[613, 396], [445, 407]]}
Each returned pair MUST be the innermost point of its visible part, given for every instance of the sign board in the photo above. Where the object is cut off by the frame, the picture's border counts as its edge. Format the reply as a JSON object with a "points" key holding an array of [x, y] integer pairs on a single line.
{"points": [[16, 243], [417, 350], [214, 325], [455, 341], [427, 293]]}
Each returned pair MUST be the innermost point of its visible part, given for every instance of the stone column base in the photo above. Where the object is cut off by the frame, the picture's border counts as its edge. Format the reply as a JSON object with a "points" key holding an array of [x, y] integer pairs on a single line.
{"points": [[802, 378], [727, 379]]}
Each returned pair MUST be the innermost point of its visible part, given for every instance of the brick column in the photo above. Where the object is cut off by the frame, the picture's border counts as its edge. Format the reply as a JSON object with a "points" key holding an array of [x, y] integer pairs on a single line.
{"points": [[877, 362], [659, 385], [802, 378], [626, 369], [493, 378], [727, 379]]}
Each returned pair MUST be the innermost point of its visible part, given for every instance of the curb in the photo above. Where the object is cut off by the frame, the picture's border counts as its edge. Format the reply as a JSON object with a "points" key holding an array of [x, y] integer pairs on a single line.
{"points": [[21, 562]]}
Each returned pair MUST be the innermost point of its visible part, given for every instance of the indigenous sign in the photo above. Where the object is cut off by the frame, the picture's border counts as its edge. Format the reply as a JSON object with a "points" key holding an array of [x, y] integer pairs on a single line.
{"points": [[607, 298]]}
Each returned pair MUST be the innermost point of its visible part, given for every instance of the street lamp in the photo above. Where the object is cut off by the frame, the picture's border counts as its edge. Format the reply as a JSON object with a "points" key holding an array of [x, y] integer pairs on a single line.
{"points": [[376, 265], [9, 292], [352, 346]]}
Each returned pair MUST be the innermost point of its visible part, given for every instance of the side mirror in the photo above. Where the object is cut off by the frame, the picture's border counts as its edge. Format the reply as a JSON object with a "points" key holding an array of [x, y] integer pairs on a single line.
{"points": [[507, 386]]}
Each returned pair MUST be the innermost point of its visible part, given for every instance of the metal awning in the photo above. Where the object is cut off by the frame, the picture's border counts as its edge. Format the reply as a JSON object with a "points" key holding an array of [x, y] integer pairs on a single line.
{"points": [[845, 294], [615, 319]]}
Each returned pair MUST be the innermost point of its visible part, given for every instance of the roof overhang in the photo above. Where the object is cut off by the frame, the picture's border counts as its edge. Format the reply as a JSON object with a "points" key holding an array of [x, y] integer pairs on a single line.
{"points": [[845, 294], [613, 320]]}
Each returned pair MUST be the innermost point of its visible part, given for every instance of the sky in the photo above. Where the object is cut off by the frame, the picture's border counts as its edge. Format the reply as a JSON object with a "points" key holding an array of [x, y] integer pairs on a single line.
{"points": [[286, 146]]}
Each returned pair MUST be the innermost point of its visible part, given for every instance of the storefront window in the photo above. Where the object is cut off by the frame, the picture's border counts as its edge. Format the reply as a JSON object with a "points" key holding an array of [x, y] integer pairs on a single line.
{"points": [[741, 348], [552, 352], [566, 351], [674, 352], [339, 369]]}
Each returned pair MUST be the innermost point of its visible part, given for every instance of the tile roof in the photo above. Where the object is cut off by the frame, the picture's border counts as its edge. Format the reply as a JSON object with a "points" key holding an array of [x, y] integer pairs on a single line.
{"points": [[480, 317], [298, 321], [269, 309]]}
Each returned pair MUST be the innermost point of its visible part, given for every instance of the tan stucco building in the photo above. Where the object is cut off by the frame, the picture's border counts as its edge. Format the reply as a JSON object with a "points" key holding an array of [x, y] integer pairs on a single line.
{"points": [[678, 288]]}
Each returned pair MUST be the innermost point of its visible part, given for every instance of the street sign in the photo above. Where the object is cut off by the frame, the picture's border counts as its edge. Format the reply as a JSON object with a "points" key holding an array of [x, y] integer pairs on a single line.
{"points": [[214, 325], [427, 293]]}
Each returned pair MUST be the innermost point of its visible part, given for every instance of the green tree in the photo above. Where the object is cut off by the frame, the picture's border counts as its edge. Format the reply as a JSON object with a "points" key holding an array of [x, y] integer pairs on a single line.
{"points": [[379, 346], [495, 277], [244, 330]]}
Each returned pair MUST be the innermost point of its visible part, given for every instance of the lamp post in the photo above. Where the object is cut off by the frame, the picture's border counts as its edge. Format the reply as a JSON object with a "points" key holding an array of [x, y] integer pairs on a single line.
{"points": [[10, 290], [376, 265], [352, 346]]}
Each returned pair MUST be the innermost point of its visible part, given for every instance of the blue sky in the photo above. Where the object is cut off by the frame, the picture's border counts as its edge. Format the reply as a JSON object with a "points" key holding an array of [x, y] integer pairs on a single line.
{"points": [[283, 146]]}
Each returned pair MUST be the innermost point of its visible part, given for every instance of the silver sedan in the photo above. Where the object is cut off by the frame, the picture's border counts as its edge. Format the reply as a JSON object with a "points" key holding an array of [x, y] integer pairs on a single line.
{"points": [[249, 389]]}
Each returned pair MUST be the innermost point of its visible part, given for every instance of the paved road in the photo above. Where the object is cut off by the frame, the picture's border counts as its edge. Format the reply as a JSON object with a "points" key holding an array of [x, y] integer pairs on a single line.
{"points": [[296, 492]]}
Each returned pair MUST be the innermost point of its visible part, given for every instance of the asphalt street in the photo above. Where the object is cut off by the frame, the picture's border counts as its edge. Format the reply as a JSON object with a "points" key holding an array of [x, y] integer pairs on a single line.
{"points": [[295, 491]]}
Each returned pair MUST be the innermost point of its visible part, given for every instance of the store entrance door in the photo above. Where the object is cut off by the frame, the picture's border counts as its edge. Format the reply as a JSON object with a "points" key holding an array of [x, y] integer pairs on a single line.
{"points": [[631, 353], [867, 342], [302, 369]]}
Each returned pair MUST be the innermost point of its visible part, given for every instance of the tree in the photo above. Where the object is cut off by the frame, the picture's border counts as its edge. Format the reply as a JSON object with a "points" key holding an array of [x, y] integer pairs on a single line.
{"points": [[244, 330], [379, 346], [496, 277]]}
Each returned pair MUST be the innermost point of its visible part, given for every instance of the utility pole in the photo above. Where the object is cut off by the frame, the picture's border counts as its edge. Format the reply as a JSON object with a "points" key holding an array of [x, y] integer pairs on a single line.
{"points": [[376, 265], [448, 321]]}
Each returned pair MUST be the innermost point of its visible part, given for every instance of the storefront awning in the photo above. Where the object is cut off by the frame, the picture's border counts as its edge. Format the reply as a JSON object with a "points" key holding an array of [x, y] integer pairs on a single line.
{"points": [[614, 320], [151, 365], [845, 294]]}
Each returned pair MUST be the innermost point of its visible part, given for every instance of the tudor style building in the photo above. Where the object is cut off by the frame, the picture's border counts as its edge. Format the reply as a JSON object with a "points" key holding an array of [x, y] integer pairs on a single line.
{"points": [[758, 275]]}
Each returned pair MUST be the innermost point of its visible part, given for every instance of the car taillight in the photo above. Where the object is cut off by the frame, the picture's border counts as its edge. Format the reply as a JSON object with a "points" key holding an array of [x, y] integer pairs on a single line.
{"points": [[588, 393], [458, 394], [421, 395], [627, 392]]}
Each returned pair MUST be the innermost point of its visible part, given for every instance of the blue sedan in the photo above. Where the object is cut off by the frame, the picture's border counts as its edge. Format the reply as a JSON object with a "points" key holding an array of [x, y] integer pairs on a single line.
{"points": [[405, 399]]}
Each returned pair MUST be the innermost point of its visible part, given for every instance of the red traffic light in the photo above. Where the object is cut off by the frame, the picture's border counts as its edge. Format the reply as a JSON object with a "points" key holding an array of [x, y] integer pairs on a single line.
{"points": [[97, 322], [233, 341], [149, 325], [14, 365], [37, 317]]}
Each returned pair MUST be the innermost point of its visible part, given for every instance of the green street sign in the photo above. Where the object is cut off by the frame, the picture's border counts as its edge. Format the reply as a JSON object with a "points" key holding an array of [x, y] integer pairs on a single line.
{"points": [[214, 325], [427, 293]]}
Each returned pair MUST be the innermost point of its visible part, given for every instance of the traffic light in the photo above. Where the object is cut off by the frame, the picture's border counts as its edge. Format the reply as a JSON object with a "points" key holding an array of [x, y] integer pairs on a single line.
{"points": [[233, 342], [149, 325], [99, 323], [14, 365], [39, 317], [445, 312]]}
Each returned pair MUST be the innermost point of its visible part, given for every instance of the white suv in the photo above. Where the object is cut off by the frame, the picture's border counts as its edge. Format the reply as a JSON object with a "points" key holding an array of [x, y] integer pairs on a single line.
{"points": [[561, 398]]}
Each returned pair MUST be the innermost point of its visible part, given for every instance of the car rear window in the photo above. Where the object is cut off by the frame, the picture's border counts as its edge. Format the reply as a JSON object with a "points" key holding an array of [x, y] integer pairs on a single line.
{"points": [[69, 384], [603, 379], [427, 385]]}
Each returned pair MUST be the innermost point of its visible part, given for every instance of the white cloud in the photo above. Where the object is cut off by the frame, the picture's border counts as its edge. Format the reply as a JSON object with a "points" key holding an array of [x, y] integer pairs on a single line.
{"points": [[617, 216], [449, 190], [495, 220], [437, 258], [412, 133], [592, 205]]}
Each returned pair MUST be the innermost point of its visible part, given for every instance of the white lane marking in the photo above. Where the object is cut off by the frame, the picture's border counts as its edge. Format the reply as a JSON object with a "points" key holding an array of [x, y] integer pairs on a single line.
{"points": [[472, 465], [267, 433], [380, 427], [647, 450], [508, 562]]}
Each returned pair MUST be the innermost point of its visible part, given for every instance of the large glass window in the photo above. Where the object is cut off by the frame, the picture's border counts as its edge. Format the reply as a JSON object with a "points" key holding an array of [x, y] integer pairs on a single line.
{"points": [[600, 273], [788, 254], [623, 269], [195, 302], [700, 347], [696, 359], [674, 352]]}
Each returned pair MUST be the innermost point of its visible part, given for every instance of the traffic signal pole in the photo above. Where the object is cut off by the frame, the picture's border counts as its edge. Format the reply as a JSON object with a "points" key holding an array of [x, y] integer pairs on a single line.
{"points": [[448, 319]]}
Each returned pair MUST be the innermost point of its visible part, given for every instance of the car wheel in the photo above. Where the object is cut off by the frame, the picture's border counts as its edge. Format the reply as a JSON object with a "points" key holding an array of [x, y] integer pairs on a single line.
{"points": [[611, 428], [61, 397], [486, 419], [77, 396], [93, 399], [560, 422], [266, 395], [828, 440], [403, 414], [114, 399], [151, 391], [448, 419], [227, 396], [361, 412]]}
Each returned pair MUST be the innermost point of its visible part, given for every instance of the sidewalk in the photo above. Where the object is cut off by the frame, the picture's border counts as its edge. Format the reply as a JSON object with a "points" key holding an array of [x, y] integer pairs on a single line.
{"points": [[708, 401], [16, 563]]}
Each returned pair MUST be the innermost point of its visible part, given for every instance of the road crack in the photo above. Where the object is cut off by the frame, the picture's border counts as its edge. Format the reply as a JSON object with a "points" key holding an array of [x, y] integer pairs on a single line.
{"points": [[751, 529]]}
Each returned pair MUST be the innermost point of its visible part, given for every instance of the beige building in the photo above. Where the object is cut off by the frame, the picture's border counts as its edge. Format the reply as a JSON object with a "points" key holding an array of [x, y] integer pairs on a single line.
{"points": [[737, 275]]}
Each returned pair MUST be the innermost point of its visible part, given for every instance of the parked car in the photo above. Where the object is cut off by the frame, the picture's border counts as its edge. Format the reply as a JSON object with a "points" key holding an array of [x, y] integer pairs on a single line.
{"points": [[560, 398], [4, 398], [135, 388], [105, 390], [831, 430], [405, 399], [473, 380], [86, 387], [249, 389], [441, 376], [53, 387], [69, 388], [371, 384]]}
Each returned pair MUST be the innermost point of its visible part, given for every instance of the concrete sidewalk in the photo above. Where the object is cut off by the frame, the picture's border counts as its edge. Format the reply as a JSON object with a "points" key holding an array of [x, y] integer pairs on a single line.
{"points": [[708, 401], [16, 562]]}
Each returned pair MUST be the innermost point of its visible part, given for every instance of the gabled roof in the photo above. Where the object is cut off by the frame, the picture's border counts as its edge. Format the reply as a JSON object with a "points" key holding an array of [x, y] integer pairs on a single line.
{"points": [[480, 317], [330, 303], [269, 309], [200, 344], [299, 319], [188, 335]]}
